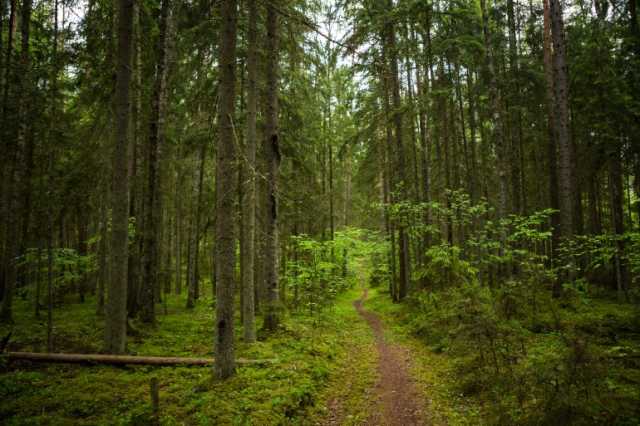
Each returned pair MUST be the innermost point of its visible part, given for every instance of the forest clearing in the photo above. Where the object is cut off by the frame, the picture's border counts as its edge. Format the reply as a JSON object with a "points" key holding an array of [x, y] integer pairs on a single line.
{"points": [[319, 212]]}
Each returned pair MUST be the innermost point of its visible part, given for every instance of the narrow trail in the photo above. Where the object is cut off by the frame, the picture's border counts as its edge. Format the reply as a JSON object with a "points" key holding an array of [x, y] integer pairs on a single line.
{"points": [[396, 392]]}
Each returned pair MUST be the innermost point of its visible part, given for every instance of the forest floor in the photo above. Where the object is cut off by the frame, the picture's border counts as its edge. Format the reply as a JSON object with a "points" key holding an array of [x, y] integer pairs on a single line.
{"points": [[335, 367], [391, 378], [344, 365], [396, 390]]}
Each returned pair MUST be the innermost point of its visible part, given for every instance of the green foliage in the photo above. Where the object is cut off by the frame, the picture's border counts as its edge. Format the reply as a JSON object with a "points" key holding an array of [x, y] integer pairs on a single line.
{"points": [[485, 302], [318, 271], [68, 266], [444, 267], [535, 364], [310, 352]]}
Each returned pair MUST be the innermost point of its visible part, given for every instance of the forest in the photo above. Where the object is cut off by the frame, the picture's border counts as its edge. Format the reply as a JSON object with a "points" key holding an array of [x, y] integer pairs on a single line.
{"points": [[319, 212]]}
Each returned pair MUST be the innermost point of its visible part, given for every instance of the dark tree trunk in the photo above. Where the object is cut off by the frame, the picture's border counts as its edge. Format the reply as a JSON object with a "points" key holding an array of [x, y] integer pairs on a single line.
{"points": [[135, 212], [103, 268], [82, 249], [388, 184], [194, 239], [153, 199], [496, 112], [272, 155], [116, 308], [617, 217], [566, 160], [178, 231], [515, 114], [249, 197], [225, 194], [552, 150], [401, 184], [20, 165]]}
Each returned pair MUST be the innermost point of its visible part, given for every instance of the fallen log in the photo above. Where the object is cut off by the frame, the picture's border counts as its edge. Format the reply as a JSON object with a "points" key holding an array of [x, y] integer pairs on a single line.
{"points": [[120, 359]]}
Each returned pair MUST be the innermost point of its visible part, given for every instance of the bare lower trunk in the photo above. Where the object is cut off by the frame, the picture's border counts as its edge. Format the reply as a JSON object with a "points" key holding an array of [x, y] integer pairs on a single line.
{"points": [[272, 151], [225, 195], [617, 216], [566, 161], [249, 199], [103, 268], [153, 204], [116, 308], [401, 183]]}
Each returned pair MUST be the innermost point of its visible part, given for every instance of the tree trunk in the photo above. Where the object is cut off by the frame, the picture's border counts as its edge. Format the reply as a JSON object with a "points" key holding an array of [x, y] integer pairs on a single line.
{"points": [[20, 169], [178, 230], [515, 114], [554, 201], [25, 137], [116, 319], [617, 218], [8, 58], [496, 112], [190, 277], [249, 198], [103, 268], [136, 212], [388, 183], [82, 249], [194, 242], [401, 184], [566, 161], [225, 194], [153, 200], [272, 154]]}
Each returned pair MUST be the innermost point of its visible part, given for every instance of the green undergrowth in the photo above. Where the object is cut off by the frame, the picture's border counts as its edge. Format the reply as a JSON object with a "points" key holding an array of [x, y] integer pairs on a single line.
{"points": [[311, 351], [573, 361]]}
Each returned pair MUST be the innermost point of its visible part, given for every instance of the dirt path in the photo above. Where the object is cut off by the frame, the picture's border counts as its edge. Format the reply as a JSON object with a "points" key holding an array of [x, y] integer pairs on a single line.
{"points": [[396, 392]]}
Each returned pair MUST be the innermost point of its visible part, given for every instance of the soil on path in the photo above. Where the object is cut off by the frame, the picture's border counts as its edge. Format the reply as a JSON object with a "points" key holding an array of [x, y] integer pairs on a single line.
{"points": [[396, 391]]}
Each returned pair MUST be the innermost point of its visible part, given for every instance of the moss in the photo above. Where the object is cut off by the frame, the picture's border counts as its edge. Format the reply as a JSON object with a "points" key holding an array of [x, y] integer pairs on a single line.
{"points": [[310, 351]]}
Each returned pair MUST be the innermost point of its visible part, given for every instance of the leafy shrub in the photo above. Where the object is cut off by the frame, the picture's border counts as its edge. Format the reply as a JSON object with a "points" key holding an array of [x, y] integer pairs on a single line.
{"points": [[444, 266]]}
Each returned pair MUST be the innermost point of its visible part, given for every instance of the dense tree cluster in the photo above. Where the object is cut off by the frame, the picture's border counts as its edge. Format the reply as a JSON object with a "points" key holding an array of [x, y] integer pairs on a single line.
{"points": [[150, 146]]}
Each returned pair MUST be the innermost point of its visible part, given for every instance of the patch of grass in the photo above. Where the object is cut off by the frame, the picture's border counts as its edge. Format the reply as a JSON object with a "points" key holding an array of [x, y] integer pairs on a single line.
{"points": [[567, 361], [311, 352], [348, 396]]}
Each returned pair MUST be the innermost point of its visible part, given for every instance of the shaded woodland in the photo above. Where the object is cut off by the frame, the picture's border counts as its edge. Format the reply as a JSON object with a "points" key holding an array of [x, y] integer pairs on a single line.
{"points": [[220, 180]]}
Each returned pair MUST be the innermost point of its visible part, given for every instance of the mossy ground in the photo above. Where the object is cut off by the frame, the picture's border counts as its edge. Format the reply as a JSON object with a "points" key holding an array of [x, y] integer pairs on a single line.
{"points": [[608, 328], [314, 354]]}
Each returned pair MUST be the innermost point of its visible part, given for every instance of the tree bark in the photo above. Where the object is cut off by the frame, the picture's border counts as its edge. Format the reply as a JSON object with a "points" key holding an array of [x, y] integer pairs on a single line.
{"points": [[515, 152], [194, 240], [617, 218], [13, 6], [116, 319], [496, 112], [388, 184], [272, 154], [18, 193], [225, 194], [178, 231], [401, 184], [103, 269], [566, 160], [249, 198], [136, 214], [153, 200], [554, 201]]}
